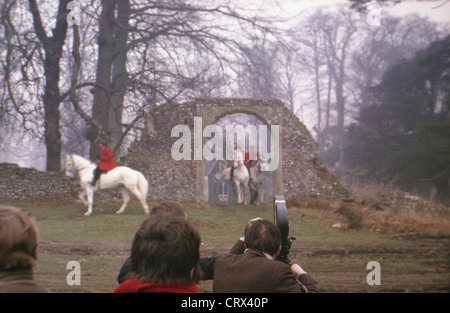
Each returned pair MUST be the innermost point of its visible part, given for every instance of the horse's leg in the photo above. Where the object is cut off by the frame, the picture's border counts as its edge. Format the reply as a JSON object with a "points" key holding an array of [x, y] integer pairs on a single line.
{"points": [[126, 198], [257, 194], [237, 191], [252, 191], [82, 197], [252, 195], [245, 189], [141, 197], [90, 200], [144, 204]]}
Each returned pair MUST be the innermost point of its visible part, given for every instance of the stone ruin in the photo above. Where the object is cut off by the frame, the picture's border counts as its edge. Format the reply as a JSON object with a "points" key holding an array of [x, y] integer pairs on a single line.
{"points": [[300, 172]]}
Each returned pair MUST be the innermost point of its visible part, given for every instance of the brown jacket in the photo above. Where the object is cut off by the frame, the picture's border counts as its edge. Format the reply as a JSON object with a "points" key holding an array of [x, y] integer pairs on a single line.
{"points": [[20, 282], [252, 272]]}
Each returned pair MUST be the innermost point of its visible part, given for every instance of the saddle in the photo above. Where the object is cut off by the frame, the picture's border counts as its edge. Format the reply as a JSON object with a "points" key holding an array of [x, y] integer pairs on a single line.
{"points": [[97, 173]]}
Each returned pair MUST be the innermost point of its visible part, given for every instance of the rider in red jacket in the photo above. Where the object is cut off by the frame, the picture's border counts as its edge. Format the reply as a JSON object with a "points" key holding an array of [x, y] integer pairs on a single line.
{"points": [[251, 157], [106, 158], [107, 162]]}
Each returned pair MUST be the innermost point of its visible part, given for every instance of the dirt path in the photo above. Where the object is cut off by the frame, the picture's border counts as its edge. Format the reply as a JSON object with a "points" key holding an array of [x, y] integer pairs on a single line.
{"points": [[416, 247], [419, 264]]}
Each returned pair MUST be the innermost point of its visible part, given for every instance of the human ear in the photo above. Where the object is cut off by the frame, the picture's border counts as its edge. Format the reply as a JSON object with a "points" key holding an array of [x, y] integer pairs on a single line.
{"points": [[278, 252]]}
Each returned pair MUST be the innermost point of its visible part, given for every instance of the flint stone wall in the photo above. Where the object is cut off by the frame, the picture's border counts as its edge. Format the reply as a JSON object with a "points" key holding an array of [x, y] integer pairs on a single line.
{"points": [[20, 182], [17, 182]]}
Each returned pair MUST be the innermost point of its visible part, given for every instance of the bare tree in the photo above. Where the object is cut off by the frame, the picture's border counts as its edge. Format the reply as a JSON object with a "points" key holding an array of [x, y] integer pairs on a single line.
{"points": [[270, 68], [381, 47], [342, 57], [328, 41], [310, 51], [338, 38], [258, 77], [288, 79], [142, 59], [22, 72], [53, 50], [146, 52], [111, 70]]}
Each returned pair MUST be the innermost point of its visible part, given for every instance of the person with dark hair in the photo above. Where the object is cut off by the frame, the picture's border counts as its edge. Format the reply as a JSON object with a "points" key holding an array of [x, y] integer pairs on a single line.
{"points": [[256, 270], [18, 252], [164, 257], [106, 163], [170, 209]]}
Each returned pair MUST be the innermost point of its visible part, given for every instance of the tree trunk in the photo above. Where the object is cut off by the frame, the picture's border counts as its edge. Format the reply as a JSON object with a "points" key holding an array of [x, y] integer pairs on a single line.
{"points": [[51, 109], [340, 107], [100, 107], [111, 72], [53, 51], [119, 72]]}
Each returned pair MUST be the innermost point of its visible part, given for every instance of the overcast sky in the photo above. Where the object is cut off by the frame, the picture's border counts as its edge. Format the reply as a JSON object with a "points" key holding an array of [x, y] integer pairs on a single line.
{"points": [[438, 10]]}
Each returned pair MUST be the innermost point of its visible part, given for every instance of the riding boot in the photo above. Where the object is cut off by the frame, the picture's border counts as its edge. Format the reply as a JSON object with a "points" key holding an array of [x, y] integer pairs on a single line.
{"points": [[96, 176]]}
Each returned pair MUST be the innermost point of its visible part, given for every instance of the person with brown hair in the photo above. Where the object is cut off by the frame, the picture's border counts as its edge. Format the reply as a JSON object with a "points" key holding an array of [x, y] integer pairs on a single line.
{"points": [[167, 209], [256, 270], [164, 257], [18, 252]]}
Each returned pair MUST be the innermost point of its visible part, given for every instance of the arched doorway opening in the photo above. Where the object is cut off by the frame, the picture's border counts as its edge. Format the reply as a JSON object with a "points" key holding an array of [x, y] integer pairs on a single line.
{"points": [[220, 191]]}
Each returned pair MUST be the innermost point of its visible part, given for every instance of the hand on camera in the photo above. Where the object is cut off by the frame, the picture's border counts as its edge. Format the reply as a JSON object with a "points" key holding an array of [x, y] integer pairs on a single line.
{"points": [[297, 270]]}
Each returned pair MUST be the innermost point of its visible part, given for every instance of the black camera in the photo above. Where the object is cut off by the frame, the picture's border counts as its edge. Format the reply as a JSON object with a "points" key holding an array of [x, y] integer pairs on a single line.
{"points": [[281, 219]]}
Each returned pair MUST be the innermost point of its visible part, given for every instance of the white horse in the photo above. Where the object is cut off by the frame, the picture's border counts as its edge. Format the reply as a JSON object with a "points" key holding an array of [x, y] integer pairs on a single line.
{"points": [[239, 181], [130, 179]]}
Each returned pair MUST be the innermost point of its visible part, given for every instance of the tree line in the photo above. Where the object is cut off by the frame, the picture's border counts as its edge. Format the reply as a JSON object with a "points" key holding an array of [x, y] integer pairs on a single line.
{"points": [[71, 84], [403, 134]]}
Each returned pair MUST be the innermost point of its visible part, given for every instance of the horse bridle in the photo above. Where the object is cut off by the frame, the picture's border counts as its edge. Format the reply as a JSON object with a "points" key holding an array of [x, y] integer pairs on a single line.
{"points": [[74, 170]]}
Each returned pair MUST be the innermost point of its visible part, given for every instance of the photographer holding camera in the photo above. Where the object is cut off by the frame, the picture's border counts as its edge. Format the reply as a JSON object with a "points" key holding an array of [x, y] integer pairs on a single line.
{"points": [[257, 270]]}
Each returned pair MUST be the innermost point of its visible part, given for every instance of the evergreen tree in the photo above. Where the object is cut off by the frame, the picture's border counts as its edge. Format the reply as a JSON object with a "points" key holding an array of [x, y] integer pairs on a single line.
{"points": [[404, 134]]}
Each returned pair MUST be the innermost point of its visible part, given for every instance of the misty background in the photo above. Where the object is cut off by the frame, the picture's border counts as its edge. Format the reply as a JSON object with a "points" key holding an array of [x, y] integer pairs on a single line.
{"points": [[374, 94]]}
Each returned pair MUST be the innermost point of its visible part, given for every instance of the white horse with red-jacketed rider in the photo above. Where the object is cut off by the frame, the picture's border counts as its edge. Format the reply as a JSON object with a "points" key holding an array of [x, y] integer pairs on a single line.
{"points": [[132, 180], [238, 175]]}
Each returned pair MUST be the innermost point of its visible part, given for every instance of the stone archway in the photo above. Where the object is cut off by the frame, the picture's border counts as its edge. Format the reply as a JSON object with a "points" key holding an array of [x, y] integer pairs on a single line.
{"points": [[212, 110], [300, 171], [220, 191]]}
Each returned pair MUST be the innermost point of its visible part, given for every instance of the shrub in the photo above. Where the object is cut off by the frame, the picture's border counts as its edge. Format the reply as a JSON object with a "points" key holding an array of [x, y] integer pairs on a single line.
{"points": [[297, 202], [318, 204], [354, 217]]}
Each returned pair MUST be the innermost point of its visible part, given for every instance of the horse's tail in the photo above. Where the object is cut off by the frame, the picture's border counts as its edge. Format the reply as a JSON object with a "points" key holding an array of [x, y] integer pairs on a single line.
{"points": [[142, 185]]}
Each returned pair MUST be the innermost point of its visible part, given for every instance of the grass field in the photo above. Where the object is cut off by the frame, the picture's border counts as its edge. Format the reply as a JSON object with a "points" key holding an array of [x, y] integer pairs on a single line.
{"points": [[414, 256]]}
